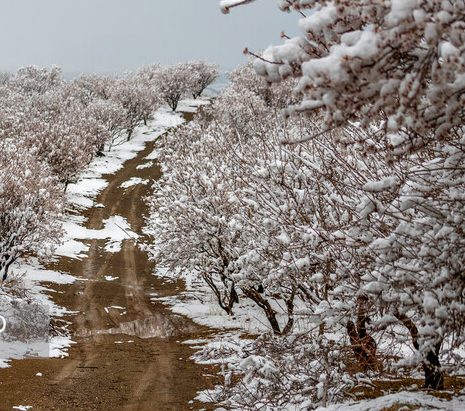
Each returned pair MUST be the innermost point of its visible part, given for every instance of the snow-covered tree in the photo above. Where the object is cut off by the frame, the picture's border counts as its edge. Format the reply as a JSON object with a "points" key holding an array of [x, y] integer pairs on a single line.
{"points": [[5, 77], [194, 185], [275, 95], [202, 75], [31, 79], [395, 69], [174, 82], [62, 133], [109, 120], [137, 99], [147, 76], [95, 94], [92, 87], [30, 205]]}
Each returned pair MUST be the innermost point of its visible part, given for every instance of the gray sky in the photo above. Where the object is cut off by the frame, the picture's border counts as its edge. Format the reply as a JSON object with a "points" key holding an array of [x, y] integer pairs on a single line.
{"points": [[118, 35]]}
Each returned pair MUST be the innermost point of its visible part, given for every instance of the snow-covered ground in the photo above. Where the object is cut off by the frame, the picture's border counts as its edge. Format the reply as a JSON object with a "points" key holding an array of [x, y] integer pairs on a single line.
{"points": [[228, 343], [401, 400], [31, 274], [229, 339]]}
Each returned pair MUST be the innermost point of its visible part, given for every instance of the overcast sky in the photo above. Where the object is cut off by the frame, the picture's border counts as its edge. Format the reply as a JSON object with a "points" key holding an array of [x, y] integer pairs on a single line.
{"points": [[117, 35]]}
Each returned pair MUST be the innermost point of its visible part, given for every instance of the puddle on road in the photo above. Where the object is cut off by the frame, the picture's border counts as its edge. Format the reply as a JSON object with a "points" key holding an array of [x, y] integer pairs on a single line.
{"points": [[155, 326]]}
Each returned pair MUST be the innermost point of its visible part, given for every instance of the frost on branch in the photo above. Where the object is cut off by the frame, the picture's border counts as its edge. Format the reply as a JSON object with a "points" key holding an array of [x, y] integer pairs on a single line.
{"points": [[228, 4], [399, 63]]}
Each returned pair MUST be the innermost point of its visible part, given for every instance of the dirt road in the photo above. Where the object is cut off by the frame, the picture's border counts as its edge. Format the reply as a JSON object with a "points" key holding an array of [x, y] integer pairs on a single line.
{"points": [[128, 358]]}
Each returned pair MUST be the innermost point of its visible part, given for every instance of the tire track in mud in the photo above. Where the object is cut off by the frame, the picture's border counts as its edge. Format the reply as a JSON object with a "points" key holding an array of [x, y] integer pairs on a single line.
{"points": [[153, 371]]}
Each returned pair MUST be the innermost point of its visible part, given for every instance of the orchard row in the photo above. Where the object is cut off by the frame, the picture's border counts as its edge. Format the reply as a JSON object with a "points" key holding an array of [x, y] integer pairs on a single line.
{"points": [[50, 129]]}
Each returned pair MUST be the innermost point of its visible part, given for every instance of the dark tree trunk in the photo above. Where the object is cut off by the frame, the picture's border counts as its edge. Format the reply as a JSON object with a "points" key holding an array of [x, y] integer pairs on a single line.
{"points": [[290, 314], [434, 377], [363, 345], [8, 264], [227, 298], [100, 150], [266, 307], [5, 273]]}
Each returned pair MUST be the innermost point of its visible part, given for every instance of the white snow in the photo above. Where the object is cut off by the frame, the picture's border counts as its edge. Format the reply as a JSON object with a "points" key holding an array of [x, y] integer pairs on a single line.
{"points": [[115, 230], [153, 155], [133, 182], [225, 5], [72, 249], [34, 272], [329, 66], [419, 400], [382, 185], [316, 21], [400, 10], [145, 165]]}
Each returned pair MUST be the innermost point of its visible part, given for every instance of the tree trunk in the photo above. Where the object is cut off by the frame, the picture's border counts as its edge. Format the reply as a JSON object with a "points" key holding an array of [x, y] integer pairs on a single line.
{"points": [[266, 307], [290, 314], [6, 268], [227, 298], [363, 344], [100, 150], [434, 377]]}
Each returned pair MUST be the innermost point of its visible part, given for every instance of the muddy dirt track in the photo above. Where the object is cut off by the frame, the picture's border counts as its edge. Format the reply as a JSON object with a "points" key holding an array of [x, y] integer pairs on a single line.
{"points": [[129, 359]]}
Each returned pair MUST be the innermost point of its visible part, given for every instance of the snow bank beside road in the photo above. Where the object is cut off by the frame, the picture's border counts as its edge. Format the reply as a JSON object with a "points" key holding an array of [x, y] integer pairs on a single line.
{"points": [[82, 194]]}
